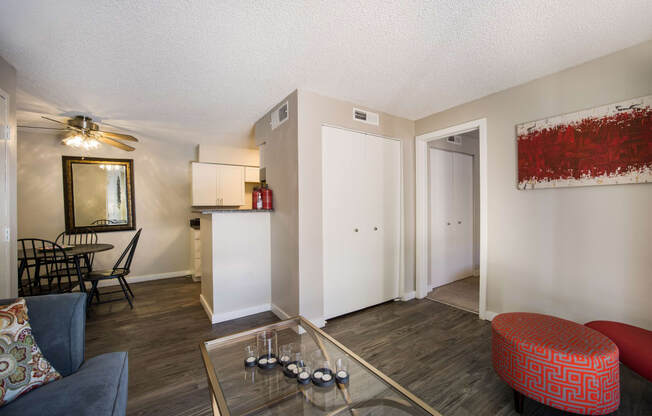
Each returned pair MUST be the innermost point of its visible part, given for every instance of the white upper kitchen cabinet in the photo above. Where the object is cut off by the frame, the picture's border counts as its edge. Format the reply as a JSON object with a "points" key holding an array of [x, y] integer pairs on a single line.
{"points": [[217, 185]]}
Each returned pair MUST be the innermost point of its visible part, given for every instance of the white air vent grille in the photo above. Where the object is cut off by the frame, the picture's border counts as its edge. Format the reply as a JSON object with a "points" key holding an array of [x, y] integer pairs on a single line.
{"points": [[365, 116], [280, 115], [454, 140]]}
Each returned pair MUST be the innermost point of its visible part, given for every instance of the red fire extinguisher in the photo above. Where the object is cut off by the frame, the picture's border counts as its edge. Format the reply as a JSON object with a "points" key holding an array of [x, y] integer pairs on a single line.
{"points": [[256, 199], [267, 197]]}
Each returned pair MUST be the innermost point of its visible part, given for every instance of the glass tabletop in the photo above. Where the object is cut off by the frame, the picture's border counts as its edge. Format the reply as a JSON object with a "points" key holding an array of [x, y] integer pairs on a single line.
{"points": [[240, 390]]}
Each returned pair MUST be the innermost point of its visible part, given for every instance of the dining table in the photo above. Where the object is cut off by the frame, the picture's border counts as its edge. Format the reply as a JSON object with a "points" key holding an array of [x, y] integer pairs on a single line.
{"points": [[76, 252]]}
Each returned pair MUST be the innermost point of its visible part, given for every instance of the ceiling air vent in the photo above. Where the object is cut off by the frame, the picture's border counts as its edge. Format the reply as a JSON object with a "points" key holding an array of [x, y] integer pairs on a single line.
{"points": [[280, 115], [365, 116], [454, 140]]}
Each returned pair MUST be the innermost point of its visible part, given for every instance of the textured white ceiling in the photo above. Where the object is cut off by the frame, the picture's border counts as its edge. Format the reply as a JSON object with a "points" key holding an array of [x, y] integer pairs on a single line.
{"points": [[206, 70]]}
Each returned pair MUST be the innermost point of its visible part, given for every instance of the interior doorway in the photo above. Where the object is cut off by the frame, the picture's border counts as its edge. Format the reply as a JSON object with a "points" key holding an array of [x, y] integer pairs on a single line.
{"points": [[454, 216], [423, 212]]}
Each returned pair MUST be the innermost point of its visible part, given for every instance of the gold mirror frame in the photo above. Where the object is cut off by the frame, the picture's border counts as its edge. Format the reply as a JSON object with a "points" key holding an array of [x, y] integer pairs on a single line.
{"points": [[69, 198]]}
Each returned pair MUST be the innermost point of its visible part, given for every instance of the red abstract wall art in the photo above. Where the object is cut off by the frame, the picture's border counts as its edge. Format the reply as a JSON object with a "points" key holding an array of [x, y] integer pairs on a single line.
{"points": [[606, 145]]}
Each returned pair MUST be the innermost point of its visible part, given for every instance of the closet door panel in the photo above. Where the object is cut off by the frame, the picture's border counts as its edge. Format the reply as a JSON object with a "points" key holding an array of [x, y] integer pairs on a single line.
{"points": [[390, 226], [462, 218], [344, 283], [441, 207]]}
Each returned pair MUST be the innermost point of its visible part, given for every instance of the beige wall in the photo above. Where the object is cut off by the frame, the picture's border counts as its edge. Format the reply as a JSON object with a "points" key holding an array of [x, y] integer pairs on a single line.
{"points": [[227, 155], [162, 190], [315, 110], [8, 267], [279, 156], [579, 253]]}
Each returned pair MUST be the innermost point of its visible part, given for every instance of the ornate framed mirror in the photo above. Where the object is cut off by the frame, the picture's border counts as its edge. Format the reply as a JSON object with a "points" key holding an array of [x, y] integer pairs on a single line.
{"points": [[98, 194]]}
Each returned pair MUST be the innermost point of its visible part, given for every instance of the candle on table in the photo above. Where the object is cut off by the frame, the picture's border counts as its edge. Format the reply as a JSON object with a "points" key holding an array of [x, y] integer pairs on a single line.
{"points": [[262, 361], [285, 358], [304, 375], [251, 359], [271, 360], [342, 374], [326, 377], [318, 374], [292, 367]]}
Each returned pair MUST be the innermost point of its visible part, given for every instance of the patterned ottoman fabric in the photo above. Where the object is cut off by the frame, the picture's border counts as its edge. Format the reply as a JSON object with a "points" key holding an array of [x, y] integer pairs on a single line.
{"points": [[557, 362]]}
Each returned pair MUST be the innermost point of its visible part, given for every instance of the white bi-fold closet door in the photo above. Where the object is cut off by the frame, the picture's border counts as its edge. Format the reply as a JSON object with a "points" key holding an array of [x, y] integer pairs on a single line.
{"points": [[361, 191], [451, 216]]}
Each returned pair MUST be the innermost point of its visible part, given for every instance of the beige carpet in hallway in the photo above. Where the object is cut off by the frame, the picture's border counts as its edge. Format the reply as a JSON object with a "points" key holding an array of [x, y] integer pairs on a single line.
{"points": [[463, 294]]}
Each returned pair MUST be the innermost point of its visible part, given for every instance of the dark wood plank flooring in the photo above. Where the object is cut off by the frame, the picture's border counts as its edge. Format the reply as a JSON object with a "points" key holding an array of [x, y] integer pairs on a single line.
{"points": [[440, 353]]}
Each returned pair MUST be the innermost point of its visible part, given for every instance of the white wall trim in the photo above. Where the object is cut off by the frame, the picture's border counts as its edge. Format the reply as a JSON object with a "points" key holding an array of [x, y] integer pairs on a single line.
{"points": [[408, 295], [318, 322], [280, 313], [490, 315], [207, 308], [144, 278], [421, 145], [227, 316]]}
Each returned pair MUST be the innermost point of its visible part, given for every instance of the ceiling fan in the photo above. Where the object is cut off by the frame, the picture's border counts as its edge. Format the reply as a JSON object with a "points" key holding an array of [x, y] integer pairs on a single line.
{"points": [[81, 131]]}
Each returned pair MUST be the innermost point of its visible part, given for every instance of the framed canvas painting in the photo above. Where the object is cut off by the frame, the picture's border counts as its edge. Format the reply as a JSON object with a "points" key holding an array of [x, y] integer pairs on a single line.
{"points": [[606, 145]]}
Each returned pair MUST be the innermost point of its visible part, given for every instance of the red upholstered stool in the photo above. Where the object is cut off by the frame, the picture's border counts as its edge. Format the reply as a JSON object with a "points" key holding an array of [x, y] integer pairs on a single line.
{"points": [[634, 344], [556, 362]]}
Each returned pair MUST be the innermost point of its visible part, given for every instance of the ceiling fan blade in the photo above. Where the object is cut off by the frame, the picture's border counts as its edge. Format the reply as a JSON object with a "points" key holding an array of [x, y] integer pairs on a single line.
{"points": [[44, 128], [119, 136], [68, 126], [114, 143]]}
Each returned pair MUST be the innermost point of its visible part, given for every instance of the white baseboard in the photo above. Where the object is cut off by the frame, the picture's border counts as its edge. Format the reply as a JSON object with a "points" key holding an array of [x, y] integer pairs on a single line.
{"points": [[408, 295], [227, 316], [143, 278], [318, 322], [280, 313], [489, 315], [207, 308]]}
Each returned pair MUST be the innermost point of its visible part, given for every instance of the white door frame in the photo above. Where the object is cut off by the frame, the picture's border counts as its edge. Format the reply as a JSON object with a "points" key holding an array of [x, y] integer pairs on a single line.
{"points": [[422, 229]]}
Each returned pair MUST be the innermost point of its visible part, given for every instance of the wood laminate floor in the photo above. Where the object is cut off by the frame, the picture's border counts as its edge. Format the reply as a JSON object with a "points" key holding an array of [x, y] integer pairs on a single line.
{"points": [[440, 353], [463, 293]]}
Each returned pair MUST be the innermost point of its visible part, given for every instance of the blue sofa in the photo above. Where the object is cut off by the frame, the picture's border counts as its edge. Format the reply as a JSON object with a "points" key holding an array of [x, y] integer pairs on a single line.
{"points": [[94, 387]]}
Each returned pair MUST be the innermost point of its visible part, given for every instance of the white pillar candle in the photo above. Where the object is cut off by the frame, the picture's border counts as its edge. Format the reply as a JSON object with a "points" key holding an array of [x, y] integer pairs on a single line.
{"points": [[318, 374], [295, 371], [326, 377], [342, 374], [271, 360], [251, 359], [262, 361], [292, 367], [285, 358], [304, 375]]}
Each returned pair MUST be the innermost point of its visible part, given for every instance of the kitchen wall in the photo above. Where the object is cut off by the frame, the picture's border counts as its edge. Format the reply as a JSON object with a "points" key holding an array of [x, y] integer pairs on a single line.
{"points": [[278, 154], [315, 110], [470, 145], [579, 253], [8, 266], [162, 189]]}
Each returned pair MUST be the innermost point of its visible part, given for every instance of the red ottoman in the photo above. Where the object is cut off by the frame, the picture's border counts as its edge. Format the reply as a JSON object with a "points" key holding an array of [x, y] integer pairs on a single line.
{"points": [[556, 362]]}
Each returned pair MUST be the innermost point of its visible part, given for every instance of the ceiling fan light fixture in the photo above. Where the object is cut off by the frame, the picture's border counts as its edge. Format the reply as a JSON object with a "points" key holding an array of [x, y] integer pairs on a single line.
{"points": [[81, 141]]}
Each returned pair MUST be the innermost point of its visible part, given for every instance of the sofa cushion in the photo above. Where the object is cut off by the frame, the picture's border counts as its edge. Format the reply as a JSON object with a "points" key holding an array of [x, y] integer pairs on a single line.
{"points": [[634, 343], [99, 388], [22, 365]]}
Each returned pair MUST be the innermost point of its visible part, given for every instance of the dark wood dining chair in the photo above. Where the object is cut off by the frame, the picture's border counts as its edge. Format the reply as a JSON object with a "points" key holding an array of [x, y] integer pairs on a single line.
{"points": [[103, 222], [83, 236], [42, 260], [120, 271]]}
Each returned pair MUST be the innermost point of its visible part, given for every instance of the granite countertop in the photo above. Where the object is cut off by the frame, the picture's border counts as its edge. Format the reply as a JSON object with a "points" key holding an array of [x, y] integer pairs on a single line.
{"points": [[210, 210]]}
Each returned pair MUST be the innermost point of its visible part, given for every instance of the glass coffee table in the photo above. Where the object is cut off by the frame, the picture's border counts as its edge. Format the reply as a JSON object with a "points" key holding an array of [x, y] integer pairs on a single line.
{"points": [[240, 390]]}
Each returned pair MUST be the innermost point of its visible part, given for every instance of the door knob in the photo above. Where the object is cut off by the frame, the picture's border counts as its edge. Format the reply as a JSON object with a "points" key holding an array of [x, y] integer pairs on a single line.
{"points": [[459, 222], [355, 229], [448, 223], [375, 228]]}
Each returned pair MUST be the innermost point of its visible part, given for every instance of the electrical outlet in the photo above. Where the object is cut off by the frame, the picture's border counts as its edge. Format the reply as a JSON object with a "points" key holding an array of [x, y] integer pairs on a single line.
{"points": [[7, 233], [6, 132]]}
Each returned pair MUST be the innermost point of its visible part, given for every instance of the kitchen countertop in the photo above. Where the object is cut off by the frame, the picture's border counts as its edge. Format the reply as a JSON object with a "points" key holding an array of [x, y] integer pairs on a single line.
{"points": [[209, 210]]}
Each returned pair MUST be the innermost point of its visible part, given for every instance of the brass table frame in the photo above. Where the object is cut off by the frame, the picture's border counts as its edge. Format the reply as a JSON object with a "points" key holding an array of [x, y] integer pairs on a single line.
{"points": [[218, 401]]}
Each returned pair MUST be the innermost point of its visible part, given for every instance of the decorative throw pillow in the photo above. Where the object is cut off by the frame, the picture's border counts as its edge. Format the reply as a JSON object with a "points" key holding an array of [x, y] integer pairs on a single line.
{"points": [[22, 365]]}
